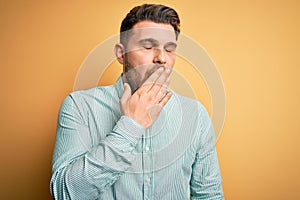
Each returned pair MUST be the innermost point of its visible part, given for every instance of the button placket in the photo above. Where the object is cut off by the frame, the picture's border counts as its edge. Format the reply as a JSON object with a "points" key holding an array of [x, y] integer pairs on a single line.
{"points": [[147, 166], [147, 148]]}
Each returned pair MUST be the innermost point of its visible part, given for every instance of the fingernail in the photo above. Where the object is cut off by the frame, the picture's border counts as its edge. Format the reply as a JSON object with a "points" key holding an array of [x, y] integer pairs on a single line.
{"points": [[160, 69], [168, 70]]}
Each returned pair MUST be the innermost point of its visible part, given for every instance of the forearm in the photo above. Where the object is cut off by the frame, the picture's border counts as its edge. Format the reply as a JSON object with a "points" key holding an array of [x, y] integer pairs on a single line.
{"points": [[206, 180], [91, 173], [88, 177]]}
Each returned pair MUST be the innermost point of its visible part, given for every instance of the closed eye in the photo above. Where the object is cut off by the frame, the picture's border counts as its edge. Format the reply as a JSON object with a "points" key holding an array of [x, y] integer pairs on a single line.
{"points": [[148, 43], [147, 46], [171, 47]]}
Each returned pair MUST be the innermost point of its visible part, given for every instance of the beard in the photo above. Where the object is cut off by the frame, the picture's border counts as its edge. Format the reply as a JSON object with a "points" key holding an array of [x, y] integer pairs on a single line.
{"points": [[135, 76]]}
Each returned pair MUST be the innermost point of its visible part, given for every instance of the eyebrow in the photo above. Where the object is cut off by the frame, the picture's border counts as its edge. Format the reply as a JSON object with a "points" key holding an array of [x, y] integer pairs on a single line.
{"points": [[151, 40], [171, 44]]}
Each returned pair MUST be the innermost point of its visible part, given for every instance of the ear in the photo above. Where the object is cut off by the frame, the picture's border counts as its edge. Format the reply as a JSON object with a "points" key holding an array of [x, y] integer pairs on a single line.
{"points": [[119, 52]]}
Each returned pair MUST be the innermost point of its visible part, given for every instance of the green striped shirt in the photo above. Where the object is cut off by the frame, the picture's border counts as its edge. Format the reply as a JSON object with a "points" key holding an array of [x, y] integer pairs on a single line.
{"points": [[100, 154]]}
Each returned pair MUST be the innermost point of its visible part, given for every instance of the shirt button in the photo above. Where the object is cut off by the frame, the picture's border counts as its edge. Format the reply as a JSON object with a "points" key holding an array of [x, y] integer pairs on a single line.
{"points": [[148, 180], [147, 148]]}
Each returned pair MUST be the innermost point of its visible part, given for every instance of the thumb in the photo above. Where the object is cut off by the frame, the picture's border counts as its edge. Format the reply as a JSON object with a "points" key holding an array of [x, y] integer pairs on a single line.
{"points": [[127, 93]]}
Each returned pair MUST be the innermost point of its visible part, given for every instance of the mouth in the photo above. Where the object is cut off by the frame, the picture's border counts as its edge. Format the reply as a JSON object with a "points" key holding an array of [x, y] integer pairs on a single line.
{"points": [[151, 71], [135, 78]]}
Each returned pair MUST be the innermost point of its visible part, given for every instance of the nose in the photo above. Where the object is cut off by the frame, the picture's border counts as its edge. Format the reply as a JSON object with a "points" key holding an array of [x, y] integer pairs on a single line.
{"points": [[159, 57]]}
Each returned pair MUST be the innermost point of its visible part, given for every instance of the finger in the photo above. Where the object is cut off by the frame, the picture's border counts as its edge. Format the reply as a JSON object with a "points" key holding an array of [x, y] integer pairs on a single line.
{"points": [[161, 83], [151, 80], [166, 98], [126, 94], [162, 91]]}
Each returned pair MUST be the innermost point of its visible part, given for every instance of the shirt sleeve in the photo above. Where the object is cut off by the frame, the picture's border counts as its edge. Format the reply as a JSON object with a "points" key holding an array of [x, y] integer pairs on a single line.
{"points": [[206, 181], [80, 171]]}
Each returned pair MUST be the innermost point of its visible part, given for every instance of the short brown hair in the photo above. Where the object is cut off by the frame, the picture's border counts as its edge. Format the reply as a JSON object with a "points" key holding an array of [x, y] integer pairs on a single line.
{"points": [[149, 12]]}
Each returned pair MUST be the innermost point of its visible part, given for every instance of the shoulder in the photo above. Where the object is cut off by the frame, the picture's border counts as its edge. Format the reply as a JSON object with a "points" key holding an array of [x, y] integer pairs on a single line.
{"points": [[94, 96], [95, 92], [99, 94], [189, 105], [192, 111]]}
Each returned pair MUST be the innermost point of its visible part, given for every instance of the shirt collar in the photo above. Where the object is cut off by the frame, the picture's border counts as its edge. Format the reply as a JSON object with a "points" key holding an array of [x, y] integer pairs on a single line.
{"points": [[119, 86]]}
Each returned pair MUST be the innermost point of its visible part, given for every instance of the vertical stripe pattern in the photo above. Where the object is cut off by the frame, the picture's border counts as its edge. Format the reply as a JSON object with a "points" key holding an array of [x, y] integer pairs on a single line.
{"points": [[102, 155]]}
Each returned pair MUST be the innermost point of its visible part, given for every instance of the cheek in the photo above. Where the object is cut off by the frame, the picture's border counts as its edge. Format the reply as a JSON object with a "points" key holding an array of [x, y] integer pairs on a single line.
{"points": [[171, 61], [140, 58]]}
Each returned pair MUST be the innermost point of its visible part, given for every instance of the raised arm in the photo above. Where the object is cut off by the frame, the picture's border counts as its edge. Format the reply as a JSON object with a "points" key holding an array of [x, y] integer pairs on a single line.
{"points": [[82, 172]]}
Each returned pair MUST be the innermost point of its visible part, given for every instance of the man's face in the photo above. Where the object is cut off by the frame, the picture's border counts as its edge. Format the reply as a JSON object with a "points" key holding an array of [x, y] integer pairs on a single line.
{"points": [[150, 46]]}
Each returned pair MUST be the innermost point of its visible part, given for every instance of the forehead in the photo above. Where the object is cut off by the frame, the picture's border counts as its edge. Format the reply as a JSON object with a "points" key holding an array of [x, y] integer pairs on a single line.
{"points": [[158, 31]]}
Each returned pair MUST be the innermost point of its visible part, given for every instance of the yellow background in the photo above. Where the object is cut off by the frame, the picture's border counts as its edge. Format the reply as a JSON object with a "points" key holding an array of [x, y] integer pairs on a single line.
{"points": [[255, 45]]}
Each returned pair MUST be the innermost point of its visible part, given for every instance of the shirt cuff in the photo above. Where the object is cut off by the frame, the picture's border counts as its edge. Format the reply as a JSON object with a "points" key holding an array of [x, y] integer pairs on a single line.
{"points": [[129, 133]]}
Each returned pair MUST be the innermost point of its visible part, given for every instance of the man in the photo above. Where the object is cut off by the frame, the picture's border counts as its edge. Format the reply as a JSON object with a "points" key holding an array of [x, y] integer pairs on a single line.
{"points": [[137, 139]]}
